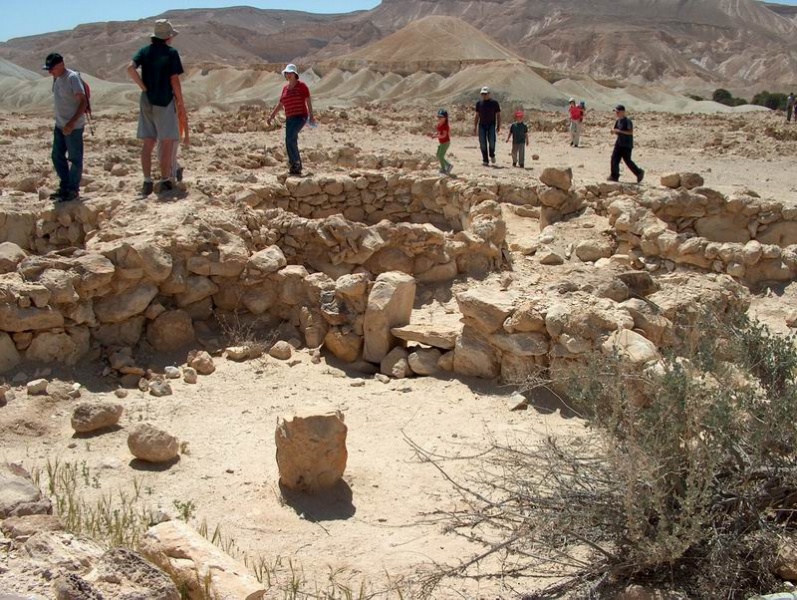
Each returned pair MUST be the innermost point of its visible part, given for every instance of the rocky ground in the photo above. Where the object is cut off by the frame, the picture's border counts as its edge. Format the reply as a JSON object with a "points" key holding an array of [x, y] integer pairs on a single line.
{"points": [[383, 527]]}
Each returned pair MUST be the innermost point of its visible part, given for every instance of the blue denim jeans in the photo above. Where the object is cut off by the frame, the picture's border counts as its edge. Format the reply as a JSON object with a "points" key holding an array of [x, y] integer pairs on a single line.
{"points": [[293, 125], [487, 136], [70, 169]]}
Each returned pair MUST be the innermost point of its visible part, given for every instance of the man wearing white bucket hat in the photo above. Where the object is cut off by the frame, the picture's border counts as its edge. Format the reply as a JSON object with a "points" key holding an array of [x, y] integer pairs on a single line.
{"points": [[160, 103], [295, 100]]}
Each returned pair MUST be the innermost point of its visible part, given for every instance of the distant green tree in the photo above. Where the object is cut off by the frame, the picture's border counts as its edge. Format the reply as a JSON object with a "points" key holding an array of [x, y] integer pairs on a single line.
{"points": [[722, 96], [772, 100], [695, 97]]}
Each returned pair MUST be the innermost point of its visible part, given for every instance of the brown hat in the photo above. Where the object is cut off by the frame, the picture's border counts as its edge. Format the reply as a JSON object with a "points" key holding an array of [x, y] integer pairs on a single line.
{"points": [[164, 30]]}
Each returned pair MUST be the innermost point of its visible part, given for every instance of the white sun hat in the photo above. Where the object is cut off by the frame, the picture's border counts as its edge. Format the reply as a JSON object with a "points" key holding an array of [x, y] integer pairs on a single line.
{"points": [[291, 68]]}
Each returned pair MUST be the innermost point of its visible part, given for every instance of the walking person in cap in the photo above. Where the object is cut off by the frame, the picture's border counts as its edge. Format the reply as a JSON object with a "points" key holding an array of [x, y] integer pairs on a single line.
{"points": [[487, 124], [623, 146], [295, 99], [161, 103], [519, 132], [69, 98]]}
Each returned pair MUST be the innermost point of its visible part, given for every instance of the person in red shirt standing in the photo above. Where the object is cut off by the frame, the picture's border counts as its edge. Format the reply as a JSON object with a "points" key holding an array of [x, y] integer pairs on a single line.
{"points": [[295, 99], [443, 140], [576, 122]]}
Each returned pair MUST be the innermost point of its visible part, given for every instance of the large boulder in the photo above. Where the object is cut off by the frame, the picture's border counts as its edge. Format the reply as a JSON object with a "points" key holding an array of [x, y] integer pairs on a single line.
{"points": [[150, 444], [311, 451], [19, 496], [195, 563], [93, 416], [389, 305], [345, 345], [171, 331], [115, 309], [486, 309], [474, 356], [10, 256], [558, 178], [631, 347], [65, 347]]}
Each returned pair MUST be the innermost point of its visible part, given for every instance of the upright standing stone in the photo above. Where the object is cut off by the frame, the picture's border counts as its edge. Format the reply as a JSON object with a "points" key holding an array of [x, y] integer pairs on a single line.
{"points": [[389, 305], [311, 451]]}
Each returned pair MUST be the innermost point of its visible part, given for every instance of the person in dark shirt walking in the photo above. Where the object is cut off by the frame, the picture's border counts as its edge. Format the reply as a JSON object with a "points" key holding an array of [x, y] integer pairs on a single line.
{"points": [[160, 104], [623, 146], [519, 132], [487, 124]]}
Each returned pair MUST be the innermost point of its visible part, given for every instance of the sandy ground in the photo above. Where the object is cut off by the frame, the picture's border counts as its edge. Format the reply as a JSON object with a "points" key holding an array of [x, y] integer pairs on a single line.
{"points": [[385, 523]]}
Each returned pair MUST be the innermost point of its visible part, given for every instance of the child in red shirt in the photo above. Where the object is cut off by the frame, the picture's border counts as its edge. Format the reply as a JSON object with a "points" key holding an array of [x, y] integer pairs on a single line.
{"points": [[444, 141]]}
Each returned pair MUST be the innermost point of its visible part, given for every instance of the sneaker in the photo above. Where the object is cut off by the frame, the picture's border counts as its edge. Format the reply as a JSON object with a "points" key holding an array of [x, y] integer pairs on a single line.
{"points": [[147, 188], [610, 178], [521, 166], [442, 171], [492, 159], [178, 174], [486, 164], [641, 176], [165, 185], [449, 168], [514, 164], [57, 195]]}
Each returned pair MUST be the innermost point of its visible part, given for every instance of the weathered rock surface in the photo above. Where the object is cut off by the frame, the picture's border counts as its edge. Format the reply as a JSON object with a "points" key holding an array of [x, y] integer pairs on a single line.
{"points": [[389, 305], [92, 416], [170, 331], [151, 444], [191, 559], [19, 496], [311, 451]]}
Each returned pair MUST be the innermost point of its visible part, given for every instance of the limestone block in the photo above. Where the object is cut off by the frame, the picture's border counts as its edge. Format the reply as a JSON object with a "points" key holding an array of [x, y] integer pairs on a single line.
{"points": [[474, 356], [171, 331], [19, 496], [389, 305], [691, 180], [151, 444], [395, 363], [115, 309], [424, 361], [631, 347], [561, 178], [191, 559], [311, 450], [9, 355], [345, 345], [91, 416], [485, 308], [438, 336], [10, 256], [671, 180]]}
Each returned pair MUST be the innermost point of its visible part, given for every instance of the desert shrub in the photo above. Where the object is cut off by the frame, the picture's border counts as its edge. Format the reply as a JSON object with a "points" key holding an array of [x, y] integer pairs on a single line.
{"points": [[723, 96], [772, 100], [685, 477]]}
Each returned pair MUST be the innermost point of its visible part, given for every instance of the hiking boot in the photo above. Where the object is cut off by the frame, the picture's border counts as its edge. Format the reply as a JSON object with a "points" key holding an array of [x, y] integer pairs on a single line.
{"points": [[178, 174], [165, 185], [615, 179], [641, 176], [147, 188]]}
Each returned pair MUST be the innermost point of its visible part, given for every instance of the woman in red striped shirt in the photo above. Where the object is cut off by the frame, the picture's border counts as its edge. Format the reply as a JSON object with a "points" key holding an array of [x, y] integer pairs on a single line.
{"points": [[295, 99]]}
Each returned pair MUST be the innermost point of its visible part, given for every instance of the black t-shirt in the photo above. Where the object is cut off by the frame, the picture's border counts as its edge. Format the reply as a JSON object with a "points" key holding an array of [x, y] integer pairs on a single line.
{"points": [[519, 132], [623, 140], [158, 63], [487, 110]]}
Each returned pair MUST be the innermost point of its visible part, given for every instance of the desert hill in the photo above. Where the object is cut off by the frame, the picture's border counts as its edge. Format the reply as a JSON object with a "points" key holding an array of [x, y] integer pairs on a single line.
{"points": [[736, 43]]}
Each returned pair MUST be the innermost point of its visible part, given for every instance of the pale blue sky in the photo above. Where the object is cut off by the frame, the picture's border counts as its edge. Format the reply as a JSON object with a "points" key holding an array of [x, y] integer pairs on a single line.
{"points": [[29, 17]]}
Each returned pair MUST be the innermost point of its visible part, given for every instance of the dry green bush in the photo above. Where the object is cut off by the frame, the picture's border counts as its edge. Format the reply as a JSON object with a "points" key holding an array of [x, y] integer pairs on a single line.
{"points": [[688, 491]]}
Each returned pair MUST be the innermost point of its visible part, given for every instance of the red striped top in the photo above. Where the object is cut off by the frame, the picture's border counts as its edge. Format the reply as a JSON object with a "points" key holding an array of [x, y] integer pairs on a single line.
{"points": [[295, 100]]}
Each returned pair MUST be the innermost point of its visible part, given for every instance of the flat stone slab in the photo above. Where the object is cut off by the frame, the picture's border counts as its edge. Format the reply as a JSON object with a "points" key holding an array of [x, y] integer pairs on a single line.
{"points": [[437, 336]]}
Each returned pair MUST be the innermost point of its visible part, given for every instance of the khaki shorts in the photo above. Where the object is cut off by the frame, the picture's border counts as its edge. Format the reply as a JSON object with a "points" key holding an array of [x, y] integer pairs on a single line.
{"points": [[157, 122]]}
